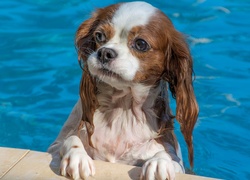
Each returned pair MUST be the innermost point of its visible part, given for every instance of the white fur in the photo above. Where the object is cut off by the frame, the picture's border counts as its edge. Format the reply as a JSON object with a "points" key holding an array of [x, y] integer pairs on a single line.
{"points": [[124, 125], [160, 166], [132, 14], [125, 65], [76, 162]]}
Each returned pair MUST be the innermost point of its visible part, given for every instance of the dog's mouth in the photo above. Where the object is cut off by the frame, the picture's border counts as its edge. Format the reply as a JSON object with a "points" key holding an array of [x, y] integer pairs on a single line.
{"points": [[109, 73]]}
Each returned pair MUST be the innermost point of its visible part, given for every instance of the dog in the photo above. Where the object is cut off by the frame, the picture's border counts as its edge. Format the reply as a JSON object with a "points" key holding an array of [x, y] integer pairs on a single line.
{"points": [[130, 54]]}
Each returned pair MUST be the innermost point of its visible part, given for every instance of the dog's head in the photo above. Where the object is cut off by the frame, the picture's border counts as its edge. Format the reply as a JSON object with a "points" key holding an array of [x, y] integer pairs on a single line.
{"points": [[130, 43]]}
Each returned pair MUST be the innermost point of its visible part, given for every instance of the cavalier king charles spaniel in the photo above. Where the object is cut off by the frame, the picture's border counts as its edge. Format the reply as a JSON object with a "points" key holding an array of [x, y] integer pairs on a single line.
{"points": [[130, 54]]}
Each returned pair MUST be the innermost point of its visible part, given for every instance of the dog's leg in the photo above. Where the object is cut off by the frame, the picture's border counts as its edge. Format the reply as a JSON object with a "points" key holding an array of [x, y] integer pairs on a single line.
{"points": [[160, 166], [75, 163]]}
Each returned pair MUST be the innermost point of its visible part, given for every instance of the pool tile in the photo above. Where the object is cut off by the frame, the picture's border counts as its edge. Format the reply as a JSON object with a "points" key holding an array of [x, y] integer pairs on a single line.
{"points": [[9, 158], [35, 165]]}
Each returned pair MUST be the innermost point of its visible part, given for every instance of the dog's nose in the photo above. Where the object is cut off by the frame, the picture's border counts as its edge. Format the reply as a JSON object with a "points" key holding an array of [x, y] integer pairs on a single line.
{"points": [[104, 55]]}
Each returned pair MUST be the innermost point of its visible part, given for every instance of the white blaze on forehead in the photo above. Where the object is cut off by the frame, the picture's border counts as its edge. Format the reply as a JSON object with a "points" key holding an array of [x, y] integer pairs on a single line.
{"points": [[132, 14]]}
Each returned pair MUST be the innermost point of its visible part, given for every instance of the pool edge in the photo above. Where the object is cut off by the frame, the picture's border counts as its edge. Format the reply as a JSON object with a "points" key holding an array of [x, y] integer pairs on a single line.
{"points": [[27, 164]]}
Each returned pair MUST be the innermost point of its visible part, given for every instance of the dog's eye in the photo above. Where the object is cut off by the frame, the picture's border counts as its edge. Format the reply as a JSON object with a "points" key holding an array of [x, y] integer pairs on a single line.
{"points": [[100, 37], [141, 45]]}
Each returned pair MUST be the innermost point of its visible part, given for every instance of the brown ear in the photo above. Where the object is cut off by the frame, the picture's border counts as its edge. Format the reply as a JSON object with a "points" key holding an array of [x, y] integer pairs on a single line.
{"points": [[85, 45], [84, 39], [179, 69]]}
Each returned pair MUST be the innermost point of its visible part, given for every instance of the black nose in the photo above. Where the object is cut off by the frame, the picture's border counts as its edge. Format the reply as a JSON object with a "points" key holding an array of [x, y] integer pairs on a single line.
{"points": [[104, 55]]}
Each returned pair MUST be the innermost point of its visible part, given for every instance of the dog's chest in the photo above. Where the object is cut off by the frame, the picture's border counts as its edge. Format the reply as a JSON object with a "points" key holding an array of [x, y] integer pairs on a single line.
{"points": [[117, 136], [125, 125], [124, 139]]}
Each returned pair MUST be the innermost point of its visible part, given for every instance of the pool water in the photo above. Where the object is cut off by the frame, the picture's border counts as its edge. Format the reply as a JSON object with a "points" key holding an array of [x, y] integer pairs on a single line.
{"points": [[39, 75]]}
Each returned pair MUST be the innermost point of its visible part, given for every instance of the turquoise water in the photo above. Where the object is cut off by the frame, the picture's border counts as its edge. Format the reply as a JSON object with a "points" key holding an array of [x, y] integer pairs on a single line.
{"points": [[39, 75]]}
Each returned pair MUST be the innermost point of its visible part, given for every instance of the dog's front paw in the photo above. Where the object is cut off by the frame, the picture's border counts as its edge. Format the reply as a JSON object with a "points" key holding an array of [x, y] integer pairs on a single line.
{"points": [[158, 168], [77, 164]]}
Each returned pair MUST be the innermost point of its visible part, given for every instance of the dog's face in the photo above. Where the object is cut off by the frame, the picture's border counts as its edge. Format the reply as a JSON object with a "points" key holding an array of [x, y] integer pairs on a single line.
{"points": [[135, 43], [128, 43], [126, 48]]}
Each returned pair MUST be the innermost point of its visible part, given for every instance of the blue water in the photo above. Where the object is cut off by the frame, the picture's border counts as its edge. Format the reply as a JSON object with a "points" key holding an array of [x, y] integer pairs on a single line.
{"points": [[39, 75]]}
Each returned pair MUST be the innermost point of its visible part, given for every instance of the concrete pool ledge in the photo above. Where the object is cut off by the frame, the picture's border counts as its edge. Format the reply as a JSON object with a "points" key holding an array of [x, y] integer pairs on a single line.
{"points": [[27, 164]]}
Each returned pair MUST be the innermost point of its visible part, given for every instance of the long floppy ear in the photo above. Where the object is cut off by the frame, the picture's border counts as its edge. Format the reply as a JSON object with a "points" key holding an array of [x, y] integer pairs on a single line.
{"points": [[178, 73], [85, 45]]}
